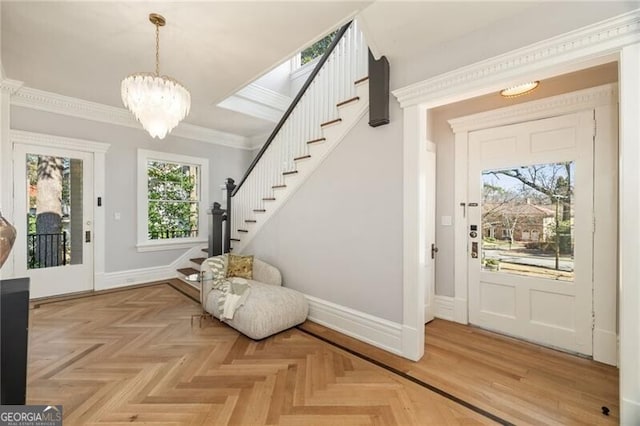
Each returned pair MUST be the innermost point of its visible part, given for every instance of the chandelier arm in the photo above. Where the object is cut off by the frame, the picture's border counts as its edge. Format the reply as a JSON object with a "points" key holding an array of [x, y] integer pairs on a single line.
{"points": [[158, 50]]}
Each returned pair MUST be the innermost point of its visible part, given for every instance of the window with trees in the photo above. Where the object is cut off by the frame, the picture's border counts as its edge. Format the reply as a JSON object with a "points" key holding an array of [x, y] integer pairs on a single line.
{"points": [[171, 189], [532, 209], [316, 49]]}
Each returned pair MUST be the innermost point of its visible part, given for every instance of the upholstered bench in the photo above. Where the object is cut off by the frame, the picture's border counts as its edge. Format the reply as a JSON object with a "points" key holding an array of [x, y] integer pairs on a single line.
{"points": [[268, 308]]}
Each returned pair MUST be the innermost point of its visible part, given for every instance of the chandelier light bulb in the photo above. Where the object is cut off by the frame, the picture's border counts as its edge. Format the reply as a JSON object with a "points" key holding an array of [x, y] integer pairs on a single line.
{"points": [[158, 102]]}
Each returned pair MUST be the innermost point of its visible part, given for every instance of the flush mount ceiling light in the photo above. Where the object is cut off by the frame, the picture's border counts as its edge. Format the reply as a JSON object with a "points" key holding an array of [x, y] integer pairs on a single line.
{"points": [[158, 102], [519, 90]]}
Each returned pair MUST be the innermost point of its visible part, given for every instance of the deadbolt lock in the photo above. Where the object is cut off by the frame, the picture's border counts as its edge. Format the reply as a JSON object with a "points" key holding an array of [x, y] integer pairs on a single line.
{"points": [[474, 250]]}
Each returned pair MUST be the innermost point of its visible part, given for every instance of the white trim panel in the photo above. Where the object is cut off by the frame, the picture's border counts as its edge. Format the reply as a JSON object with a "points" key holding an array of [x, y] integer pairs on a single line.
{"points": [[41, 139], [443, 307], [378, 332]]}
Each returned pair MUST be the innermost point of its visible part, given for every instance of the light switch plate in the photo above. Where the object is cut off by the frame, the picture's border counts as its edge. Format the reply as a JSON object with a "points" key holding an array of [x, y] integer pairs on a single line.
{"points": [[445, 221]]}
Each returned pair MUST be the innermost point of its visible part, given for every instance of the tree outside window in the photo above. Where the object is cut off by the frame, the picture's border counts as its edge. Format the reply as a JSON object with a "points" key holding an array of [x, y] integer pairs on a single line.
{"points": [[173, 200], [316, 49]]}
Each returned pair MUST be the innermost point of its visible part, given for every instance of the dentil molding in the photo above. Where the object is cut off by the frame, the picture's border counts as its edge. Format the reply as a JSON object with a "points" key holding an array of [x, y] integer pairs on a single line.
{"points": [[548, 107], [599, 39]]}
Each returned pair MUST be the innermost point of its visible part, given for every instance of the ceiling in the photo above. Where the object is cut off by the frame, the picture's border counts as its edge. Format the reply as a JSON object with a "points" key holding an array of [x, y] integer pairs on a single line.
{"points": [[85, 49]]}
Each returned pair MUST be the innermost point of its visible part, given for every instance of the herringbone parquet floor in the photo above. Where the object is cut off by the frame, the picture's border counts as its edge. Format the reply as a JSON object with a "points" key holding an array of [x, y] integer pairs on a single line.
{"points": [[132, 356]]}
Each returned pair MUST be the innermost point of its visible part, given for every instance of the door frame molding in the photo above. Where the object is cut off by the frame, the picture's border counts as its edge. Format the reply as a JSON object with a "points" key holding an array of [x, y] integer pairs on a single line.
{"points": [[612, 40], [99, 150]]}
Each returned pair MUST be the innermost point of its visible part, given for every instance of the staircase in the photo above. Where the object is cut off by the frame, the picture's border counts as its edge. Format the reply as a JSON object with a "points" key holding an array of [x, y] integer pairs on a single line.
{"points": [[331, 102]]}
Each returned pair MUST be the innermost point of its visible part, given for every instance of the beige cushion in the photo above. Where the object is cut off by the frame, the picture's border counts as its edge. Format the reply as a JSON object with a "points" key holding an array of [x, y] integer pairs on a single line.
{"points": [[269, 307], [268, 310], [266, 273]]}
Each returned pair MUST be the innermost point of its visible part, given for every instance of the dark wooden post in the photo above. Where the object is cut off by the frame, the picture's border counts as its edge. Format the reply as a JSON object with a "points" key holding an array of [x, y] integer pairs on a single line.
{"points": [[378, 91], [227, 228], [215, 234]]}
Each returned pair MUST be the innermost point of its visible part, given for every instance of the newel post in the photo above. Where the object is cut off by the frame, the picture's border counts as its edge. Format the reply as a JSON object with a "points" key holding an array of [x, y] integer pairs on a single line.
{"points": [[227, 228], [215, 236]]}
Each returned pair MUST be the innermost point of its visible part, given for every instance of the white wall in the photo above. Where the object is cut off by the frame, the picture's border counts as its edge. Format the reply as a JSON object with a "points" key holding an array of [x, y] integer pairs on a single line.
{"points": [[120, 194], [339, 237], [277, 79], [444, 138]]}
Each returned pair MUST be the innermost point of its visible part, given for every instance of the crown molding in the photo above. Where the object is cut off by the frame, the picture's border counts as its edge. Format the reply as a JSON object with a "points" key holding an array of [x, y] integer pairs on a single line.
{"points": [[548, 107], [10, 86], [28, 97], [41, 139], [593, 41]]}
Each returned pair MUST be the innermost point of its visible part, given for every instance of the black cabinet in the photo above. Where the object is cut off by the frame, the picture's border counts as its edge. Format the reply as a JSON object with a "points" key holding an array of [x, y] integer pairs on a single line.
{"points": [[14, 326]]}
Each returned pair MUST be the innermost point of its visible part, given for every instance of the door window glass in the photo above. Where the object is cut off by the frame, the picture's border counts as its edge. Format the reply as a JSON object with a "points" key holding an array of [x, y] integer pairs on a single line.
{"points": [[54, 213], [528, 220]]}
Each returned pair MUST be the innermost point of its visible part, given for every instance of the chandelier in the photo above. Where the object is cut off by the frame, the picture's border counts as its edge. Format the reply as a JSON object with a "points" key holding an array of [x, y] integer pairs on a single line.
{"points": [[158, 102]]}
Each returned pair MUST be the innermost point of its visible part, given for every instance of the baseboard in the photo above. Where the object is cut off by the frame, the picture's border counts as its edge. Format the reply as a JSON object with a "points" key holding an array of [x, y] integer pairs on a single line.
{"points": [[443, 307], [605, 346], [118, 279], [375, 331], [134, 276]]}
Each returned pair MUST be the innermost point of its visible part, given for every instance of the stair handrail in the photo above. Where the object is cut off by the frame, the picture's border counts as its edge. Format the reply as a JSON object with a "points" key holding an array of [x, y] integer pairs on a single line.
{"points": [[294, 103]]}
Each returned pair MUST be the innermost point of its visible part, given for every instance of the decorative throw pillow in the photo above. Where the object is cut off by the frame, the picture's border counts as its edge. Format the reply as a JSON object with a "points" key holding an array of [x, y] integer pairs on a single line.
{"points": [[240, 266], [217, 268]]}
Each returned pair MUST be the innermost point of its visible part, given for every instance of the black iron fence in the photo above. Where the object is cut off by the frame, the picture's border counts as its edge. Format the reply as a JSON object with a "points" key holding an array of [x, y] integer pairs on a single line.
{"points": [[162, 234], [47, 250]]}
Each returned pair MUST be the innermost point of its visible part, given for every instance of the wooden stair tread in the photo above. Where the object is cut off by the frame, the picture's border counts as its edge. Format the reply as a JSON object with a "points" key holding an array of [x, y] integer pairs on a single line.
{"points": [[327, 123], [188, 271], [290, 172], [269, 199], [348, 101], [278, 186], [316, 140], [243, 230], [361, 80], [301, 157], [259, 210], [250, 220], [198, 260]]}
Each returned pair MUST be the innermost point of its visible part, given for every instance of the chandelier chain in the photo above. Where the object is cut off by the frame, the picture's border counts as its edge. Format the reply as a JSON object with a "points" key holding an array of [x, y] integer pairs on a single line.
{"points": [[158, 50]]}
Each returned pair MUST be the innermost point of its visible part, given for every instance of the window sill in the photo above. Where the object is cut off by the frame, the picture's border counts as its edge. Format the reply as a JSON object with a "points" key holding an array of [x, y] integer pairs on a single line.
{"points": [[169, 245]]}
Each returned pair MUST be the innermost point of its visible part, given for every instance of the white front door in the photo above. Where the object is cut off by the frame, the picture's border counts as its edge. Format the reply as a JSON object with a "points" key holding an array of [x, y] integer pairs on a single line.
{"points": [[53, 213], [531, 188]]}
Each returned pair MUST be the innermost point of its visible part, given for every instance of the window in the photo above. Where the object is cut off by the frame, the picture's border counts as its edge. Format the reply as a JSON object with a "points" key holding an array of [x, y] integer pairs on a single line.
{"points": [[317, 49], [171, 204]]}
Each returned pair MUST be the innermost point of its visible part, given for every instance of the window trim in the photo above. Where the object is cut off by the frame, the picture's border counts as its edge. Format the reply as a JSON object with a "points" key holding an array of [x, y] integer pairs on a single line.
{"points": [[144, 244]]}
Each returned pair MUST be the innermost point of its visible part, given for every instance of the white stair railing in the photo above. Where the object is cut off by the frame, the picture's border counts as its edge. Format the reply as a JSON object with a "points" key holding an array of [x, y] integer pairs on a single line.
{"points": [[330, 83]]}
